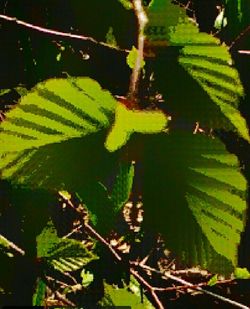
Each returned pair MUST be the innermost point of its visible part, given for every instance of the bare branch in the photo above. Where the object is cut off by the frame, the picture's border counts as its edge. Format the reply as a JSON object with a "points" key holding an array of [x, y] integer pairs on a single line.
{"points": [[148, 286], [11, 245], [59, 33], [239, 37], [168, 275], [244, 52]]}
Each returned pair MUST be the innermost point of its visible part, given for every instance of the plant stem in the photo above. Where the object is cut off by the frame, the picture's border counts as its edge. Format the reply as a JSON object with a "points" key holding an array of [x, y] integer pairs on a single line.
{"points": [[135, 76]]}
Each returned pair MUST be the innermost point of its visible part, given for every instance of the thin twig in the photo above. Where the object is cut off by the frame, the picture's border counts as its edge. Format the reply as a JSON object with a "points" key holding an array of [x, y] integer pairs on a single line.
{"points": [[135, 76], [239, 37], [102, 240], [196, 288], [65, 300], [59, 33], [91, 230], [11, 245], [244, 52], [148, 286], [73, 231], [94, 233]]}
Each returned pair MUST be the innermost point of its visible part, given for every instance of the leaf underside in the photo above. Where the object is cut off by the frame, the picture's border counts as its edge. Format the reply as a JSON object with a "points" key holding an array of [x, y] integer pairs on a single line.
{"points": [[194, 194]]}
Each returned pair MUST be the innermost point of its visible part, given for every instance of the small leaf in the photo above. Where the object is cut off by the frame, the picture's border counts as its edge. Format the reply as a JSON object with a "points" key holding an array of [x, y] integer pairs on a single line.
{"points": [[4, 91], [127, 4], [87, 278], [130, 121], [241, 273], [58, 57], [132, 57], [110, 38], [220, 21], [127, 296], [22, 91], [123, 184], [213, 280]]}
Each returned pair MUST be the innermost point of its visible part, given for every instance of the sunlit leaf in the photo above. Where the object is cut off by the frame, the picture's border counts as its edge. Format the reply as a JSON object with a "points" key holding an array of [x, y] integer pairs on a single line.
{"points": [[241, 273], [128, 122], [131, 58], [127, 296], [213, 280], [194, 73]]}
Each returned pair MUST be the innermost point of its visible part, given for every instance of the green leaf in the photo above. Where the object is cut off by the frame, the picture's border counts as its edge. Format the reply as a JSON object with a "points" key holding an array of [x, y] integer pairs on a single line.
{"points": [[131, 58], [100, 201], [110, 38], [22, 91], [50, 120], [163, 17], [123, 185], [127, 4], [63, 253], [58, 57], [205, 87], [127, 296], [87, 278], [241, 273], [198, 193], [4, 91], [220, 21], [129, 121], [40, 292], [213, 280]]}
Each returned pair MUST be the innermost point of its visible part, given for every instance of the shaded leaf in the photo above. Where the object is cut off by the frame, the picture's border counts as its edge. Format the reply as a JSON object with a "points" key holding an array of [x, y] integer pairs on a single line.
{"points": [[40, 293], [198, 197], [110, 38], [122, 185], [63, 253]]}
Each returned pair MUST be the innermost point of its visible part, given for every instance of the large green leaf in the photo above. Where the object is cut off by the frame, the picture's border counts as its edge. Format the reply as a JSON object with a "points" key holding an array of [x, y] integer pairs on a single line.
{"points": [[195, 73], [194, 193], [47, 138]]}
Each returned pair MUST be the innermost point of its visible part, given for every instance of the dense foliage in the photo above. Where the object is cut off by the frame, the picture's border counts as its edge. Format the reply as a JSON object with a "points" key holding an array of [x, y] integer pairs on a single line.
{"points": [[77, 141]]}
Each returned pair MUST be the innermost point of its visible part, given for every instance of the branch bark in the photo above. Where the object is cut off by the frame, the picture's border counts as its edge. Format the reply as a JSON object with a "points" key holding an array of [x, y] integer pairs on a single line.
{"points": [[135, 76], [59, 33]]}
